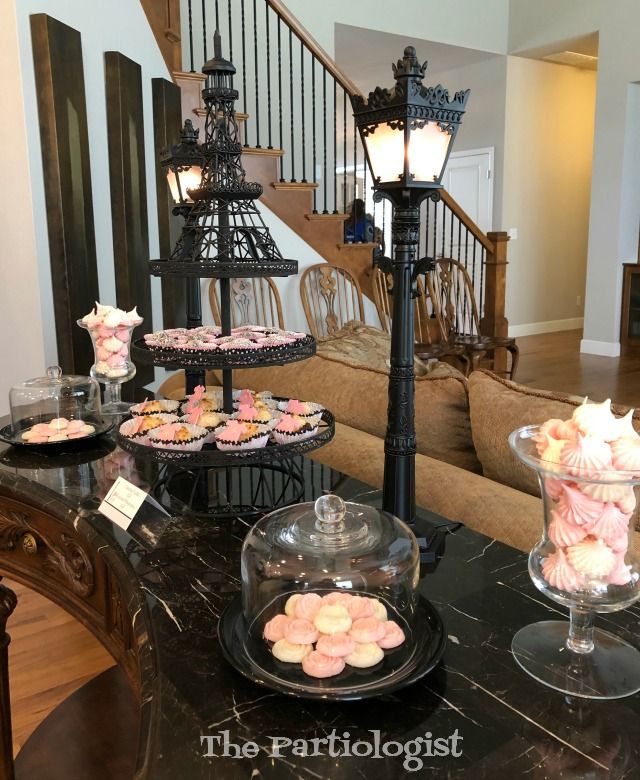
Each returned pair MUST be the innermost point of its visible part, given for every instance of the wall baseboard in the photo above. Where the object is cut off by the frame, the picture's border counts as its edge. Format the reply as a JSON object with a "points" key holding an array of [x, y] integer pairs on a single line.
{"points": [[533, 328], [603, 348]]}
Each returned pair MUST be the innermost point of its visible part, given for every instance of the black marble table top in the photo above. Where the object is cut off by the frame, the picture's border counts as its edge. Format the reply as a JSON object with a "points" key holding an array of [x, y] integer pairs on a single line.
{"points": [[492, 719]]}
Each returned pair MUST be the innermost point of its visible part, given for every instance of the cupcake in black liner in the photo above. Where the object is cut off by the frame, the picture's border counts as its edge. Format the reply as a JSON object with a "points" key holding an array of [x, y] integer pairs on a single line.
{"points": [[292, 428], [236, 435], [159, 406], [140, 426], [178, 436]]}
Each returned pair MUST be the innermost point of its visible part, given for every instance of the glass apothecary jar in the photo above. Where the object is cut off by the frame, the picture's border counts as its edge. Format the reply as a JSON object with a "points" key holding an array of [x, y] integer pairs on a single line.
{"points": [[54, 397]]}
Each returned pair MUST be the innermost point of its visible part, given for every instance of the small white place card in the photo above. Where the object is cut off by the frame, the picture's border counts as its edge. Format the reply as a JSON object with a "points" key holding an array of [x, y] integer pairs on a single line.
{"points": [[123, 501]]}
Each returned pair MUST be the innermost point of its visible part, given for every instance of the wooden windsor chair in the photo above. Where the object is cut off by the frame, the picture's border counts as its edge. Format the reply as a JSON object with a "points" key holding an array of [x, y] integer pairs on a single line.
{"points": [[331, 297], [430, 337], [452, 292], [253, 302]]}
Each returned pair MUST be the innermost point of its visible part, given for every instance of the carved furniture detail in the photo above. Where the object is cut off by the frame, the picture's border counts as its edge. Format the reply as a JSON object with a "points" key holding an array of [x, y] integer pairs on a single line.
{"points": [[331, 297]]}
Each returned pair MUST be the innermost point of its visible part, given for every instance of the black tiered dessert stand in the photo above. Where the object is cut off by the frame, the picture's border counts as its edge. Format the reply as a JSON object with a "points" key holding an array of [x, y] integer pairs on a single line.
{"points": [[224, 237]]}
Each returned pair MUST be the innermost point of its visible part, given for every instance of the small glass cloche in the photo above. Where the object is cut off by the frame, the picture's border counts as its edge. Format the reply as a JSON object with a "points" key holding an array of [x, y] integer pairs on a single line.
{"points": [[69, 405], [329, 594]]}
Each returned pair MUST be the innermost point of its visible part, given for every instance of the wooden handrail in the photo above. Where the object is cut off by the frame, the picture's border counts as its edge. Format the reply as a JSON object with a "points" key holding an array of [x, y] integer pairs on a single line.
{"points": [[314, 47], [466, 220]]}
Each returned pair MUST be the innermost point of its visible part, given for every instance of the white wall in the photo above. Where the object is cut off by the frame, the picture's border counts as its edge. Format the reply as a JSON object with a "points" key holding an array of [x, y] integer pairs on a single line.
{"points": [[22, 352], [103, 28], [610, 240], [547, 177], [476, 24]]}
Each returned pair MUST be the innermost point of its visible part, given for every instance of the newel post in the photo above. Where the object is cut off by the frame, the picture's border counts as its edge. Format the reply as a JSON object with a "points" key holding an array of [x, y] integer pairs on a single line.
{"points": [[8, 603], [494, 322]]}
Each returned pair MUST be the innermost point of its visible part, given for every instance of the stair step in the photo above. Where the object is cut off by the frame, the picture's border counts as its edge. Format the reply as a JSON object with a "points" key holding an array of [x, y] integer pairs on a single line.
{"points": [[262, 150], [368, 247], [187, 74], [294, 185], [340, 217]]}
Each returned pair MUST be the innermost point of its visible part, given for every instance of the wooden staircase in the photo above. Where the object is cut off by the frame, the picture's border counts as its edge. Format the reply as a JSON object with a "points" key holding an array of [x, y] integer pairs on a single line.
{"points": [[292, 202]]}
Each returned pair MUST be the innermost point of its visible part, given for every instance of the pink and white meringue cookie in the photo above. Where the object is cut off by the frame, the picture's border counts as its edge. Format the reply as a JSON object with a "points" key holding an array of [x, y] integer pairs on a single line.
{"points": [[274, 629], [627, 500], [300, 631], [336, 645], [393, 637], [623, 427], [365, 655], [318, 665], [337, 597], [289, 652], [611, 524], [626, 454], [553, 487], [308, 606], [606, 492], [586, 457], [564, 533], [360, 607], [547, 429], [596, 420], [621, 572], [551, 454], [578, 508], [366, 630], [559, 573], [379, 610], [591, 558], [290, 606], [332, 619]]}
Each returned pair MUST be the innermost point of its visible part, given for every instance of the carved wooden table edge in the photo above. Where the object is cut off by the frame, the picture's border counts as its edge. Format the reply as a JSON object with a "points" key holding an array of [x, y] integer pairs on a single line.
{"points": [[51, 548]]}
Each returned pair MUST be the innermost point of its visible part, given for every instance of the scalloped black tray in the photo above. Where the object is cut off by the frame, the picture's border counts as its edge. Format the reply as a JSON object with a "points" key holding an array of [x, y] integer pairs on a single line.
{"points": [[210, 456], [208, 269], [247, 358]]}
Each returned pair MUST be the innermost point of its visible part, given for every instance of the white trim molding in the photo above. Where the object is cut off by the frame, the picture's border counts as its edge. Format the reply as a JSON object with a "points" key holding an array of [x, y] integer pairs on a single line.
{"points": [[603, 348], [550, 326]]}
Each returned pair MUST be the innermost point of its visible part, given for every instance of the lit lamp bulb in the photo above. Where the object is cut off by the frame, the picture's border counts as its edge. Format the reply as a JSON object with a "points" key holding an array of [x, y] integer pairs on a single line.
{"points": [[182, 180]]}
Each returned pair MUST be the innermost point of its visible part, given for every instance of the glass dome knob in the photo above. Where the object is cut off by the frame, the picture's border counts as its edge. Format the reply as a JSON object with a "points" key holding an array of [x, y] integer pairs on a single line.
{"points": [[54, 372], [330, 511]]}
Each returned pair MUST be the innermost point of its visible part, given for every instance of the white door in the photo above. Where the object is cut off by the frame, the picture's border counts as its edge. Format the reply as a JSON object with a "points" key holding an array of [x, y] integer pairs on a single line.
{"points": [[469, 179]]}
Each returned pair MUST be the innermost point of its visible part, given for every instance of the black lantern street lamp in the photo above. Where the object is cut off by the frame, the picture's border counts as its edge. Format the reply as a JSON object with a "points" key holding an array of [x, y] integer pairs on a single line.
{"points": [[408, 132], [183, 163]]}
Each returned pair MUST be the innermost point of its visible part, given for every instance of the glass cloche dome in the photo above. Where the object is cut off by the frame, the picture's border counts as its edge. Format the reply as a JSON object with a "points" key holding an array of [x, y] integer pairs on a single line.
{"points": [[55, 399], [329, 596]]}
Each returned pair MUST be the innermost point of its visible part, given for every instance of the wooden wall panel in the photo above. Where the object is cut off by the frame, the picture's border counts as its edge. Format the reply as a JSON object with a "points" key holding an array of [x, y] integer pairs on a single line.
{"points": [[125, 127], [62, 113], [167, 123]]}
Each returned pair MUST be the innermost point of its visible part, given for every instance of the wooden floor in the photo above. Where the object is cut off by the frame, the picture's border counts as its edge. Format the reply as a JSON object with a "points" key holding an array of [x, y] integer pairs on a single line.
{"points": [[553, 362], [51, 654]]}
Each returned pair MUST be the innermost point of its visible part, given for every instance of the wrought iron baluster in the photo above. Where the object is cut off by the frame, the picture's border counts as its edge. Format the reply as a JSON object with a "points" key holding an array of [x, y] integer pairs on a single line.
{"points": [[204, 29], [230, 30], [267, 21], [355, 163], [313, 120], [335, 146], [304, 145], [280, 93], [255, 73], [364, 196], [324, 138], [293, 156], [190, 36], [217, 16], [344, 150], [244, 77]]}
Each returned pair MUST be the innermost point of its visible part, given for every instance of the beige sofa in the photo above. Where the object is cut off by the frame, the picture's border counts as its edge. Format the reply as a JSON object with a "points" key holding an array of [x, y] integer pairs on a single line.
{"points": [[464, 468]]}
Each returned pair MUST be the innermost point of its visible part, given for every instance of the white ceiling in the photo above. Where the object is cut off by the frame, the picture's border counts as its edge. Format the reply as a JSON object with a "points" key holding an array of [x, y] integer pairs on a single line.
{"points": [[366, 55]]}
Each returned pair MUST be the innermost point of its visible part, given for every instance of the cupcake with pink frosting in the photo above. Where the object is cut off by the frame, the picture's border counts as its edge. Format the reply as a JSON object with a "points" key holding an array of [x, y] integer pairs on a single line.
{"points": [[236, 435], [305, 409], [290, 428]]}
